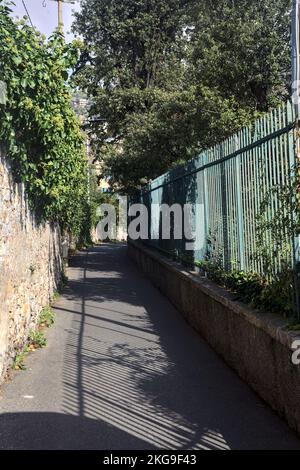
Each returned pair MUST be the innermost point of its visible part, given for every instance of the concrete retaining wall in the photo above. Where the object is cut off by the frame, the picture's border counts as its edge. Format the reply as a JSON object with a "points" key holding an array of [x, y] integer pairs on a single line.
{"points": [[30, 266], [255, 344]]}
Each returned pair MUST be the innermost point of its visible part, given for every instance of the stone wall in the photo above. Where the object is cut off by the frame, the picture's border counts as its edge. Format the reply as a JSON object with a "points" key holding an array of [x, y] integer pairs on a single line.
{"points": [[30, 266], [255, 344]]}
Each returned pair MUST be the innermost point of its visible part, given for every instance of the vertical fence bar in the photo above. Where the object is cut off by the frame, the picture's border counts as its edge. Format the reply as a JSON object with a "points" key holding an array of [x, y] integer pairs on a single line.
{"points": [[206, 208], [240, 212]]}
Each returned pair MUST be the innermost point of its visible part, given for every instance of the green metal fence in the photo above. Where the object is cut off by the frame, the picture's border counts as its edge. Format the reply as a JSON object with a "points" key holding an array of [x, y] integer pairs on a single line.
{"points": [[241, 196]]}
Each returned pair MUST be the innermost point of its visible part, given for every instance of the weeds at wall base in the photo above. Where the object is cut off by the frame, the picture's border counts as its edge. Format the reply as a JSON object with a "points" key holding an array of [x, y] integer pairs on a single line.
{"points": [[36, 339]]}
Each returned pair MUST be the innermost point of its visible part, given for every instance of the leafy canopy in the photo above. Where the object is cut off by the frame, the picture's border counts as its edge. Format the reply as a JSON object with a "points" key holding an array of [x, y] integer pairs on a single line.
{"points": [[169, 79], [243, 48]]}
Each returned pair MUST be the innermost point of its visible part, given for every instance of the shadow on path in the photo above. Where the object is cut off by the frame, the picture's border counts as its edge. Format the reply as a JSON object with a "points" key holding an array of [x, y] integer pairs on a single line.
{"points": [[134, 363], [134, 375]]}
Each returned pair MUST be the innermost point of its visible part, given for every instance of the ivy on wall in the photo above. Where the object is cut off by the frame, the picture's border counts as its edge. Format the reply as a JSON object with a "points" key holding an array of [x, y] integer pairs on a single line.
{"points": [[38, 124]]}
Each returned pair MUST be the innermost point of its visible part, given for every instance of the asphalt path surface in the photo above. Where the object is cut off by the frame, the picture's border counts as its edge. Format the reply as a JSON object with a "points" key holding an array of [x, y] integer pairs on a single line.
{"points": [[123, 371]]}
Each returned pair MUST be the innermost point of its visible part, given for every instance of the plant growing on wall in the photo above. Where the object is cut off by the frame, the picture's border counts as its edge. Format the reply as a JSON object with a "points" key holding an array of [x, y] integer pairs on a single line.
{"points": [[38, 125]]}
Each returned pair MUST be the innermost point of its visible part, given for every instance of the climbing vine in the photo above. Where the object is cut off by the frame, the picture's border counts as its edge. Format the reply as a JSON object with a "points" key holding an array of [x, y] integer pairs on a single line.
{"points": [[38, 124]]}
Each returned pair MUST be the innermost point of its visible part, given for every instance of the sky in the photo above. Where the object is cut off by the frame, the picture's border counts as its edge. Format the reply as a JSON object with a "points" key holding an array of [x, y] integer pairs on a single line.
{"points": [[45, 18]]}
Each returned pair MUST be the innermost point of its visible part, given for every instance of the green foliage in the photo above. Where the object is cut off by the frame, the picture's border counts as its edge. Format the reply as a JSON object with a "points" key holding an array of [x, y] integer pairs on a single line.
{"points": [[38, 124], [47, 317], [56, 296], [134, 42], [274, 295], [170, 79], [19, 362], [37, 339], [134, 52], [243, 49]]}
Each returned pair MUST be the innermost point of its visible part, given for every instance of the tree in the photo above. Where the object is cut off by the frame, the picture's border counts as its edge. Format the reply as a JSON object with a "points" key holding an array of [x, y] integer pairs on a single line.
{"points": [[135, 73], [132, 42], [169, 79], [243, 49]]}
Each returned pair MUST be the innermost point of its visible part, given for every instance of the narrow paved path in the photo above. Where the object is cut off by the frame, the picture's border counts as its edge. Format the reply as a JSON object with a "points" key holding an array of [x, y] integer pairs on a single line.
{"points": [[122, 370]]}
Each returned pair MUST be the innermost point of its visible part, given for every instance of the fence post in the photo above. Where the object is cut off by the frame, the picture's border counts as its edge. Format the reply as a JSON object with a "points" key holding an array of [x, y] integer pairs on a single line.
{"points": [[240, 207], [206, 207], [227, 261]]}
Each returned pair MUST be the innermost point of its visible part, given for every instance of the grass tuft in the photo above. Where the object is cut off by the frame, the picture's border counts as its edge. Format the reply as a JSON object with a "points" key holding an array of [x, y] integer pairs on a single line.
{"points": [[47, 317]]}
